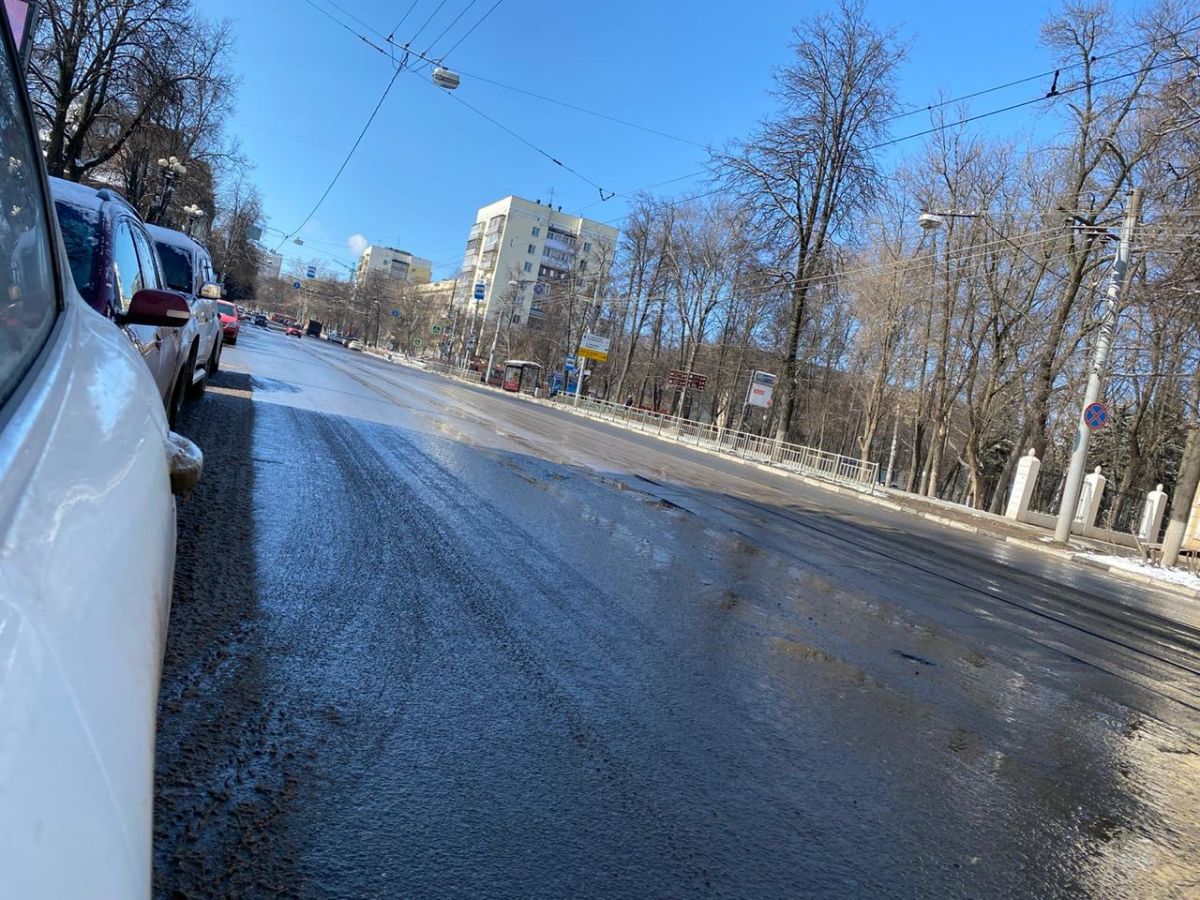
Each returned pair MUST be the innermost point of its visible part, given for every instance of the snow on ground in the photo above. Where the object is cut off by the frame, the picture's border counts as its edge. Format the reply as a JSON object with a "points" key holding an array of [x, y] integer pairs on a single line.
{"points": [[1139, 567]]}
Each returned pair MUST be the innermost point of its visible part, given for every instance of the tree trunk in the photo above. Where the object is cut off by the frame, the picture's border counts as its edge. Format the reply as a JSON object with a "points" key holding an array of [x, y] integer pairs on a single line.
{"points": [[1183, 497]]}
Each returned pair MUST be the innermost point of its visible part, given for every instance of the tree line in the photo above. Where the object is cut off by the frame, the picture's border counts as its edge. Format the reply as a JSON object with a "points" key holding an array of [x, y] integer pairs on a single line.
{"points": [[943, 353], [118, 85]]}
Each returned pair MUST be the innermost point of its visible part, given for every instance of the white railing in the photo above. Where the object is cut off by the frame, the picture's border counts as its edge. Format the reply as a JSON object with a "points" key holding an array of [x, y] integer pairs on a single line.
{"points": [[793, 457]]}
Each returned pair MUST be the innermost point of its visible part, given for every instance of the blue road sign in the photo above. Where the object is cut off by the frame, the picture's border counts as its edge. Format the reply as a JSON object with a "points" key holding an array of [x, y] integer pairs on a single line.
{"points": [[296, 285], [311, 272], [480, 289], [395, 313], [1096, 416]]}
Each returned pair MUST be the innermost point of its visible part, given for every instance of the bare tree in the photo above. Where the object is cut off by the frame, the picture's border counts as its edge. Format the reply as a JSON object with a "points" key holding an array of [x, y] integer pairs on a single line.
{"points": [[808, 171]]}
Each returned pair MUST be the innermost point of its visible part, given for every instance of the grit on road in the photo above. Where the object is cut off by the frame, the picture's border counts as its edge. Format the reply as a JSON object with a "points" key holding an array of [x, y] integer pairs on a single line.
{"points": [[433, 641]]}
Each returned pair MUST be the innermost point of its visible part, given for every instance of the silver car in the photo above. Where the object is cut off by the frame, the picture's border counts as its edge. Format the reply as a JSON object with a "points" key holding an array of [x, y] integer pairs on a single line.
{"points": [[188, 269]]}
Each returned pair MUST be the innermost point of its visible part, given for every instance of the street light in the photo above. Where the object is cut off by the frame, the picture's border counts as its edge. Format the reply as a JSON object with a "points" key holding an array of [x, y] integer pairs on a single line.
{"points": [[516, 286], [171, 169], [193, 212]]}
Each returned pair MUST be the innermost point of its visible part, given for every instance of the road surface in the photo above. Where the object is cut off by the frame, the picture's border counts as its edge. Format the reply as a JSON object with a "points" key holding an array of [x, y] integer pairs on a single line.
{"points": [[433, 641]]}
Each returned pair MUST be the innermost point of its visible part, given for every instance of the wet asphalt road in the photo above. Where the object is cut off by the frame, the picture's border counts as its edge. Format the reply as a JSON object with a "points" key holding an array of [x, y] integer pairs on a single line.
{"points": [[429, 641]]}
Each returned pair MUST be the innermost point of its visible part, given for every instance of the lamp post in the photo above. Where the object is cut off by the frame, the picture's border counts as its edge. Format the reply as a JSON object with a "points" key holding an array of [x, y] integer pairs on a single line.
{"points": [[170, 168], [504, 311], [193, 212], [1118, 282]]}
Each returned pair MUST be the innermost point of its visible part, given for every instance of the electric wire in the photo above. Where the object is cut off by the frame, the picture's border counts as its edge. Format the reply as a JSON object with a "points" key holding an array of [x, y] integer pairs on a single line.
{"points": [[346, 161]]}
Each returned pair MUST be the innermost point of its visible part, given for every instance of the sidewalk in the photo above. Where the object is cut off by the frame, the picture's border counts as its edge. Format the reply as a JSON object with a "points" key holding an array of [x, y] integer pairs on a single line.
{"points": [[1117, 560]]}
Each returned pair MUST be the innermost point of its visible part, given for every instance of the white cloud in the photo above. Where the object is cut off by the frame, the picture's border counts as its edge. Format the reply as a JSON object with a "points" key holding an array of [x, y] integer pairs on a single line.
{"points": [[357, 243]]}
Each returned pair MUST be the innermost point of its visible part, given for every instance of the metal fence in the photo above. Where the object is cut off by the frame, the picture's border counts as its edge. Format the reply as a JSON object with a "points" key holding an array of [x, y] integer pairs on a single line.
{"points": [[793, 457]]}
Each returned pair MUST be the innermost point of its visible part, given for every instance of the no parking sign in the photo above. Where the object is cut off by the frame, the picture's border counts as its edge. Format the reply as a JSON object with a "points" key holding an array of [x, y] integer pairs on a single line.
{"points": [[1096, 416]]}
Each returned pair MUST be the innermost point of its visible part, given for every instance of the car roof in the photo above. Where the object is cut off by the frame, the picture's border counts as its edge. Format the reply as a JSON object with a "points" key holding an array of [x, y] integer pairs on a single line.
{"points": [[175, 239], [87, 197]]}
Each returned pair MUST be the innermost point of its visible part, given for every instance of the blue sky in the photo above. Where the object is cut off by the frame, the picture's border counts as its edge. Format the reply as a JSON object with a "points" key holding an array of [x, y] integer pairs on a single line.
{"points": [[698, 70]]}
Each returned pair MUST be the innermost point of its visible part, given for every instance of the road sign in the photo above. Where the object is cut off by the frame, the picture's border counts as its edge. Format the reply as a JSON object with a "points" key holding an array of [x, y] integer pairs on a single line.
{"points": [[593, 346], [677, 378], [762, 389], [395, 313], [480, 290], [310, 272], [436, 329], [416, 342], [296, 285], [539, 289], [1096, 416]]}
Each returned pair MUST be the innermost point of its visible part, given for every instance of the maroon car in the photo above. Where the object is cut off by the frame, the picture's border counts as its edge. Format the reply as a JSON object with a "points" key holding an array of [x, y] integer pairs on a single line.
{"points": [[112, 258]]}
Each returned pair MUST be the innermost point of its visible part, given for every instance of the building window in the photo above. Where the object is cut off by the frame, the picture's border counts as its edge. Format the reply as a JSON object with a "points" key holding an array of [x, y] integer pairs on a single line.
{"points": [[537, 231], [532, 248], [587, 248], [583, 265], [528, 267]]}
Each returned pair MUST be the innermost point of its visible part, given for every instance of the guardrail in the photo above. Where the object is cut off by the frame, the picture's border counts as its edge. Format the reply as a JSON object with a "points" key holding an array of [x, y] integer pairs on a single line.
{"points": [[792, 457]]}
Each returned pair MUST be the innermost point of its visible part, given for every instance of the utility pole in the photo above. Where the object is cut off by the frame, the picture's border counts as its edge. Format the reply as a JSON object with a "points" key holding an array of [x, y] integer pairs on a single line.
{"points": [[1108, 323]]}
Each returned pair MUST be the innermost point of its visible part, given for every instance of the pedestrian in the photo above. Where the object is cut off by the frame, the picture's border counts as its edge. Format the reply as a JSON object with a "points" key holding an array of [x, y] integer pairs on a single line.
{"points": [[629, 400]]}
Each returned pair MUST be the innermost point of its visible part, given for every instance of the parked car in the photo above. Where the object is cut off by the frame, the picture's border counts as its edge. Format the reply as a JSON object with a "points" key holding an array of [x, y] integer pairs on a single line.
{"points": [[335, 337], [112, 258], [188, 269], [230, 325], [354, 345], [260, 320], [294, 331], [87, 523]]}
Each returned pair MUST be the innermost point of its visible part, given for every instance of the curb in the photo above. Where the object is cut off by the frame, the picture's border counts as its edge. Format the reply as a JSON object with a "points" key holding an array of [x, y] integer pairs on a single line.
{"points": [[1124, 574]]}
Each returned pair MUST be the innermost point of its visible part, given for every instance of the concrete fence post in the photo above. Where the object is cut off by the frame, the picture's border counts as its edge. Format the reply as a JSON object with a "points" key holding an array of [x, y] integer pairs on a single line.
{"points": [[1152, 515], [1023, 484], [1089, 499]]}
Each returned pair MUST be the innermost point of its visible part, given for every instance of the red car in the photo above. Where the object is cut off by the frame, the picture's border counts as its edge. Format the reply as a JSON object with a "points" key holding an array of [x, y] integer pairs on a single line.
{"points": [[294, 331], [229, 320]]}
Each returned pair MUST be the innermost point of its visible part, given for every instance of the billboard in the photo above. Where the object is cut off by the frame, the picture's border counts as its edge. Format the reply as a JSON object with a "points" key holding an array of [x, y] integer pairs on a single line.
{"points": [[762, 389]]}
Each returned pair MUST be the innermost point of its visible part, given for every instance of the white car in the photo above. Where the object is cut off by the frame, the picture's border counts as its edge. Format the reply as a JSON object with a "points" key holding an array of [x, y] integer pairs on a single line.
{"points": [[188, 269], [87, 544]]}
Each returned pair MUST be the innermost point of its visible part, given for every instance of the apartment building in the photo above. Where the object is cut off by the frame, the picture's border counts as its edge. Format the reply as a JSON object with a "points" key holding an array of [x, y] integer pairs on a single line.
{"points": [[397, 264], [270, 264], [535, 245]]}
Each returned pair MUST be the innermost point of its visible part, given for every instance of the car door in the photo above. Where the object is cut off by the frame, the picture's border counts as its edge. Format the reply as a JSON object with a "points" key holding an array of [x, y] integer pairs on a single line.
{"points": [[171, 341], [87, 535], [128, 279]]}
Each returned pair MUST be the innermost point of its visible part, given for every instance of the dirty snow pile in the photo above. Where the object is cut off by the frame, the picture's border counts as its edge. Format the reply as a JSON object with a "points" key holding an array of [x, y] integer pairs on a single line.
{"points": [[1139, 567]]}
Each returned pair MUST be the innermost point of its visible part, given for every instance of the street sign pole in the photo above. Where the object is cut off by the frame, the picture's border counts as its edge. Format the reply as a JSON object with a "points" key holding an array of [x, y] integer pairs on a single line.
{"points": [[1104, 336]]}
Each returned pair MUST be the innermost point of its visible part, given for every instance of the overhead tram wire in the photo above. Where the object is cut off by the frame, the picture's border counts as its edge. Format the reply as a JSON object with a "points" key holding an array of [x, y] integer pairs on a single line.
{"points": [[346, 161], [702, 195], [453, 22], [947, 125], [437, 9], [471, 30], [1041, 75], [403, 19]]}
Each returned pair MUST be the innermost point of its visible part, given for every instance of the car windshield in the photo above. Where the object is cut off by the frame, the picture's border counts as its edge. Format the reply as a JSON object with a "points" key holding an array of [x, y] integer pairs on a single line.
{"points": [[227, 309], [81, 235], [177, 266]]}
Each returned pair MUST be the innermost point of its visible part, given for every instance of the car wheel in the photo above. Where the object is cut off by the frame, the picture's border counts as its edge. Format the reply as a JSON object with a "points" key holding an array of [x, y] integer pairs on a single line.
{"points": [[231, 341], [195, 389], [214, 361]]}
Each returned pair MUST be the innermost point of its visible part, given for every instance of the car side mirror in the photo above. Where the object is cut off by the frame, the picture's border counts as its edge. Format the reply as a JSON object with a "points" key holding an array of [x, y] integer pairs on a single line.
{"points": [[210, 291], [161, 308]]}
